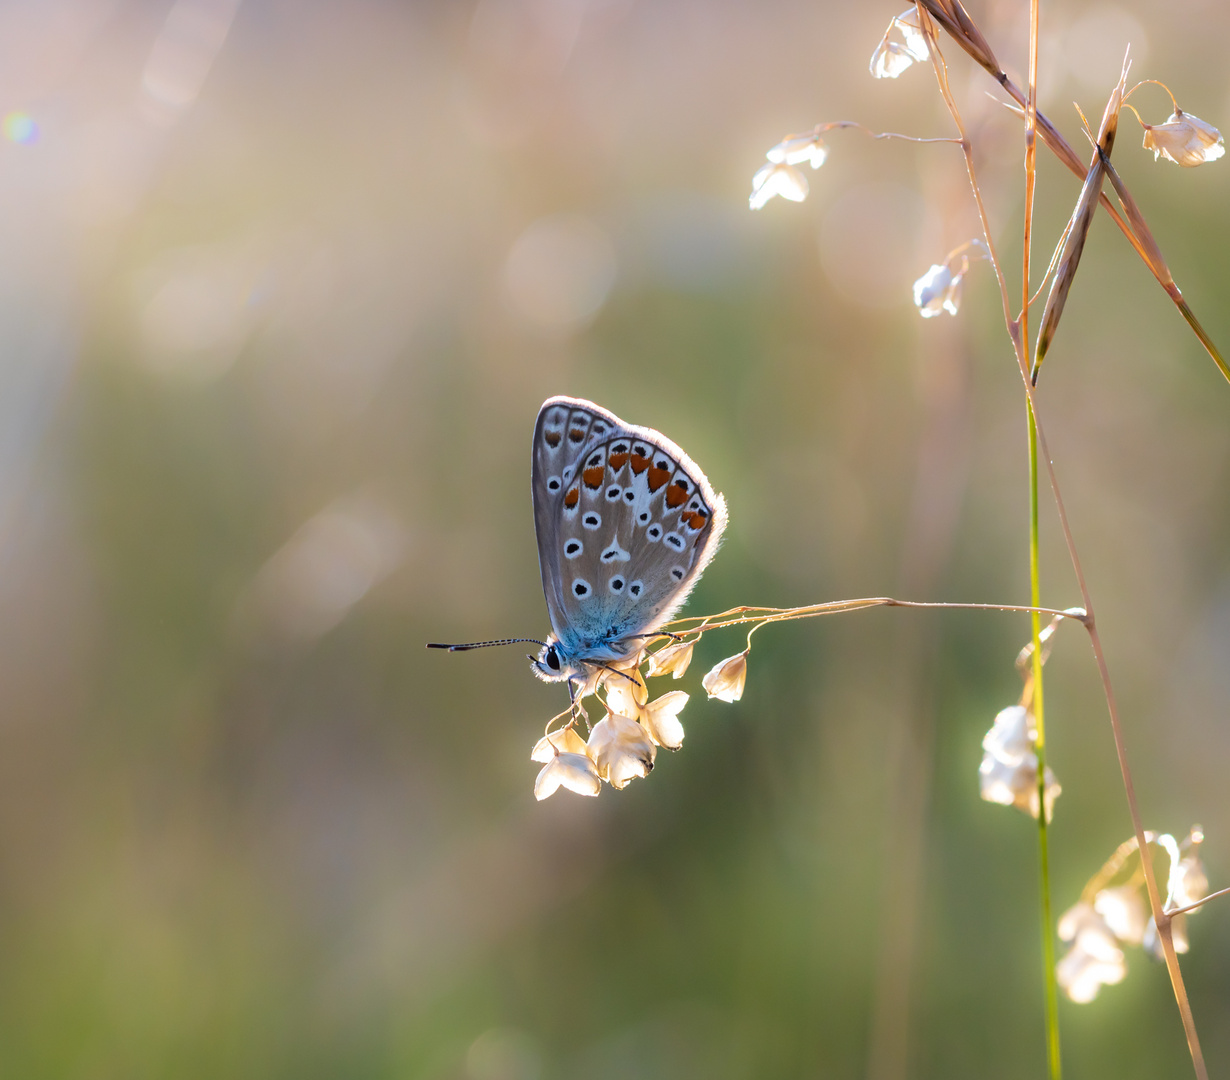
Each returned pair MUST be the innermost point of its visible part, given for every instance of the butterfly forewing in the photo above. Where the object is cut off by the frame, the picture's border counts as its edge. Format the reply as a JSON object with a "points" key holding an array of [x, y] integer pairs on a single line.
{"points": [[626, 523]]}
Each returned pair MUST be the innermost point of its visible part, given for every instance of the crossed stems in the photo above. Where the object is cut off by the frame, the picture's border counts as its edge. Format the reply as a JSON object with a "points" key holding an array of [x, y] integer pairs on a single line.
{"points": [[956, 22]]}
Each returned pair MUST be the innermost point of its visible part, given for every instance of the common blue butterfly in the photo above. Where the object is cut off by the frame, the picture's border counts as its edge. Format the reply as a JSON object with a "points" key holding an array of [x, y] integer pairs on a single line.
{"points": [[626, 523]]}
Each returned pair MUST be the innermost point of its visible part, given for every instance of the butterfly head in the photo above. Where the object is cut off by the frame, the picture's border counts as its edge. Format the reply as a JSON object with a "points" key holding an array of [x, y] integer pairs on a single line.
{"points": [[552, 665]]}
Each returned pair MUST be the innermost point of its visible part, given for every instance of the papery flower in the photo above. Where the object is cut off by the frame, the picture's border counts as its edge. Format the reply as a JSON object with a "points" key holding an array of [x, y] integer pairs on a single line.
{"points": [[1124, 911], [564, 741], [774, 178], [1008, 773], [725, 679], [1010, 737], [1188, 881], [576, 772], [795, 149], [1185, 884], [1184, 139], [1017, 785], [891, 58], [1095, 959], [672, 660], [661, 719], [937, 291], [627, 697], [620, 749]]}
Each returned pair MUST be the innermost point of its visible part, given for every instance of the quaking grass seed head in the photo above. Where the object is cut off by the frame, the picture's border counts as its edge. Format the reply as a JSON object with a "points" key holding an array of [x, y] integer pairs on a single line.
{"points": [[777, 178], [902, 45], [1113, 912], [726, 678]]}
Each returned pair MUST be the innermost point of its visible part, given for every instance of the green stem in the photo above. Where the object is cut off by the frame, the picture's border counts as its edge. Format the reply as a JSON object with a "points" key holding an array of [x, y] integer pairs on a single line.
{"points": [[1048, 937]]}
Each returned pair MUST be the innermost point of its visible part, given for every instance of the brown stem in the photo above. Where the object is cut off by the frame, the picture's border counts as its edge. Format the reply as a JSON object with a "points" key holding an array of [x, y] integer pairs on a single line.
{"points": [[951, 15]]}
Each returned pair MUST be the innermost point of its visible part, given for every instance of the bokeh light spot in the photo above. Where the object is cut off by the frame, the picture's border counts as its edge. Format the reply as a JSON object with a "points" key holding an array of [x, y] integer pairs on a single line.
{"points": [[19, 127], [560, 271]]}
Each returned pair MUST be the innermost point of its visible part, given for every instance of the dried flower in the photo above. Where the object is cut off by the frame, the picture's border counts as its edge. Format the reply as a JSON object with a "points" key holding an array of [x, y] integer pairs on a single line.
{"points": [[1184, 139], [564, 741], [1095, 959], [1008, 773], [891, 58], [774, 178], [726, 678], [1010, 738], [574, 771], [673, 660], [795, 149], [1123, 909], [938, 290], [627, 697], [620, 749], [1117, 914], [661, 719]]}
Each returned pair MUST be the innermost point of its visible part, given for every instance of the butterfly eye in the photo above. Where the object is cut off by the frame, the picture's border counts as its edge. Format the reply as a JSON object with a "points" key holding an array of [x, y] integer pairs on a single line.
{"points": [[552, 659]]}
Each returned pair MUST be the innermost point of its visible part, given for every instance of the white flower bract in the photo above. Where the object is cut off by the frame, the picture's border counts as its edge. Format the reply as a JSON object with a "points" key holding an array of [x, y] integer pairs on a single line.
{"points": [[1095, 959], [1008, 773], [891, 57], [937, 291], [620, 749], [774, 178], [1184, 139], [1124, 911], [725, 679], [574, 771], [796, 149], [563, 741], [662, 719], [673, 660]]}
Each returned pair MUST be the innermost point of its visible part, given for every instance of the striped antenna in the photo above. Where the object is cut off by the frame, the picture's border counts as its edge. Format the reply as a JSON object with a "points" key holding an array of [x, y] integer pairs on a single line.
{"points": [[484, 644]]}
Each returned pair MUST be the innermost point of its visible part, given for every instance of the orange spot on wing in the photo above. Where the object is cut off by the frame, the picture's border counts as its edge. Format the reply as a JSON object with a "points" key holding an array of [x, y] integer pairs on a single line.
{"points": [[639, 464], [593, 477], [552, 438], [658, 477], [675, 496], [576, 434], [694, 520], [618, 461], [572, 498]]}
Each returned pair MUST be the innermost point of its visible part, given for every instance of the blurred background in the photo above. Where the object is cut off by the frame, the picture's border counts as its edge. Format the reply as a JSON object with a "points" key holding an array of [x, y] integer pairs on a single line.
{"points": [[282, 286]]}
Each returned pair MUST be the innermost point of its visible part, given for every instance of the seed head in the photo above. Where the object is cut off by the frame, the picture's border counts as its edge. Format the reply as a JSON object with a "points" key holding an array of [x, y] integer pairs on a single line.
{"points": [[1095, 959], [726, 678], [1184, 139], [574, 771], [620, 749], [775, 178], [661, 719], [673, 660], [892, 57], [796, 149]]}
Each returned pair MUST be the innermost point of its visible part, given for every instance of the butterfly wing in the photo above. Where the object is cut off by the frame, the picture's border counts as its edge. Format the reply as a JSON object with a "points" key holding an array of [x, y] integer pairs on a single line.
{"points": [[626, 524]]}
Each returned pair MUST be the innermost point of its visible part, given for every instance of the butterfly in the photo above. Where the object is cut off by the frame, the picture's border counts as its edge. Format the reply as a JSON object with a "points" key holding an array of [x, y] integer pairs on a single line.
{"points": [[626, 523]]}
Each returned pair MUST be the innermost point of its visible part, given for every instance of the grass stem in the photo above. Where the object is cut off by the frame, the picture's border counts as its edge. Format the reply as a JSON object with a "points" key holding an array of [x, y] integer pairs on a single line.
{"points": [[1038, 704]]}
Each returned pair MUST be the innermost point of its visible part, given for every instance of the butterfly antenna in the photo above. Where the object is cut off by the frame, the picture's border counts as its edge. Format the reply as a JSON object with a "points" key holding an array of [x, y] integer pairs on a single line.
{"points": [[484, 644]]}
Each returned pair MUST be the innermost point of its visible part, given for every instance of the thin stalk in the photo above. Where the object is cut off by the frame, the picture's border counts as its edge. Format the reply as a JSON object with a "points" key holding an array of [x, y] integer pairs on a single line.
{"points": [[1049, 976], [1198, 903], [1039, 711], [971, 40]]}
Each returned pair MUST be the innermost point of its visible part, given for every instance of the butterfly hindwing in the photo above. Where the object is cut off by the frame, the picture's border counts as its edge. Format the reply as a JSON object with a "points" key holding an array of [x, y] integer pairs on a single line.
{"points": [[623, 533]]}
